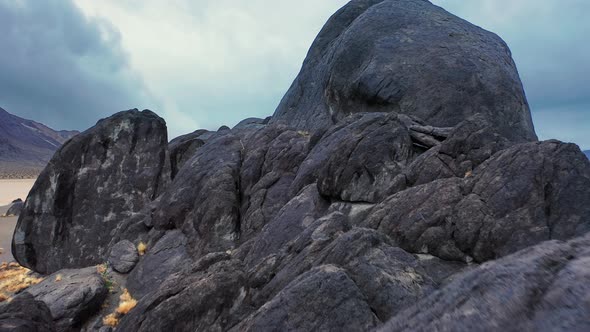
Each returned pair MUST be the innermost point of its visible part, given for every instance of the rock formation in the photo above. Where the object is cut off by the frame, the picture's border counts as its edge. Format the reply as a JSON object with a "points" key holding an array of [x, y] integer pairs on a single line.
{"points": [[399, 186]]}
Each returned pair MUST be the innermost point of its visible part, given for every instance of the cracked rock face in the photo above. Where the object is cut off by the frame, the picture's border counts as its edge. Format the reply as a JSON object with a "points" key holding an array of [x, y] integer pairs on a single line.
{"points": [[93, 182], [378, 196]]}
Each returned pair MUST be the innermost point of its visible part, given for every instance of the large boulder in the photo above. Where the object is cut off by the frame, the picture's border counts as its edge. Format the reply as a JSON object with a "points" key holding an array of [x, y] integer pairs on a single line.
{"points": [[93, 183], [411, 57]]}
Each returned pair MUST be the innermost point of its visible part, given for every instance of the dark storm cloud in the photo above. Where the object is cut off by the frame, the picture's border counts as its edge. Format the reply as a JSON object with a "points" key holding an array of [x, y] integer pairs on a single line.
{"points": [[62, 69]]}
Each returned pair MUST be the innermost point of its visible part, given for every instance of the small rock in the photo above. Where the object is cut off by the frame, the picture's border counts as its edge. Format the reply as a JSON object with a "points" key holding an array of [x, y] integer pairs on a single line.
{"points": [[123, 256], [16, 208]]}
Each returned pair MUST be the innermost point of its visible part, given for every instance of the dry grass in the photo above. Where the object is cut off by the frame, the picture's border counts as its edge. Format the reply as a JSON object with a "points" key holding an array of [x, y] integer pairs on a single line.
{"points": [[303, 133], [141, 248], [110, 320], [58, 278], [14, 278], [4, 297], [103, 270], [126, 304]]}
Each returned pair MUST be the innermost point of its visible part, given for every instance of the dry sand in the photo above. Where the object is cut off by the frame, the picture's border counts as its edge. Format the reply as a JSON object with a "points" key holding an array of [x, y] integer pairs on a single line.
{"points": [[9, 191], [7, 225], [13, 189]]}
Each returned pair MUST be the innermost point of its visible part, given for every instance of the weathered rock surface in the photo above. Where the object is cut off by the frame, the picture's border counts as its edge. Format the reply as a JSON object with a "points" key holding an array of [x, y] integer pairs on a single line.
{"points": [[184, 147], [168, 255], [409, 57], [402, 157], [203, 297], [123, 256], [543, 288], [304, 305], [204, 199], [72, 296], [515, 199], [25, 314], [93, 182]]}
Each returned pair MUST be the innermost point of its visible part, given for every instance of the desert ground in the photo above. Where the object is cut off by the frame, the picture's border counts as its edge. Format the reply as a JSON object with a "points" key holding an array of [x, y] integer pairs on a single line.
{"points": [[9, 191]]}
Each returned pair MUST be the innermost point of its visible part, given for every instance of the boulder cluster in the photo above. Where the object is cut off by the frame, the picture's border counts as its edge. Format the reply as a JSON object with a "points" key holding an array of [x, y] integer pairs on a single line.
{"points": [[399, 186]]}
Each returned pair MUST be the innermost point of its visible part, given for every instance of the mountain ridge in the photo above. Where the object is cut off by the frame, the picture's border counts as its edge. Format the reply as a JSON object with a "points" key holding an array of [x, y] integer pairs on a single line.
{"points": [[26, 145]]}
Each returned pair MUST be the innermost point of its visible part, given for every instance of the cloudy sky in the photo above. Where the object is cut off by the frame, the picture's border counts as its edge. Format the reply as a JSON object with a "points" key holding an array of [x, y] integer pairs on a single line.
{"points": [[204, 63]]}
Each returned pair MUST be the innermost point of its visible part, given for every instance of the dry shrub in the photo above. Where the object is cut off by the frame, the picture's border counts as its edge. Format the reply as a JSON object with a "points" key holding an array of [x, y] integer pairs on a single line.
{"points": [[126, 304], [58, 278], [141, 248], [110, 320]]}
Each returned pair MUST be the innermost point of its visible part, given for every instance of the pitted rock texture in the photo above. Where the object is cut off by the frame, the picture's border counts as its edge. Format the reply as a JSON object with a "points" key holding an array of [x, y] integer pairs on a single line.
{"points": [[411, 57], [94, 182]]}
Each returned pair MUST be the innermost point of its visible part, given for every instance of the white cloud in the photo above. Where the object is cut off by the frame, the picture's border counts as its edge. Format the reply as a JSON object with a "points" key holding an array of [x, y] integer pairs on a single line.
{"points": [[215, 62]]}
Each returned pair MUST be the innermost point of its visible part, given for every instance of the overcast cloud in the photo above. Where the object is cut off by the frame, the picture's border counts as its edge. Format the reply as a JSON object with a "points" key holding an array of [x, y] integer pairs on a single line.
{"points": [[59, 68], [204, 63]]}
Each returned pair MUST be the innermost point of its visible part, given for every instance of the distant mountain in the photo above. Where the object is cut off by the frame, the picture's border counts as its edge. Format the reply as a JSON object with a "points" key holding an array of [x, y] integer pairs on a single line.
{"points": [[26, 146], [587, 153]]}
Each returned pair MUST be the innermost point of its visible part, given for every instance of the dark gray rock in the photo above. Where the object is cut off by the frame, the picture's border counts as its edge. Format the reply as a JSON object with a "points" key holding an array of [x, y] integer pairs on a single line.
{"points": [[94, 182], [72, 296], [388, 277], [271, 159], [323, 299], [204, 297], [515, 199], [359, 158], [168, 256], [15, 208], [25, 314], [249, 122], [204, 199], [183, 148], [123, 256], [410, 57], [467, 146], [291, 220], [543, 288]]}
